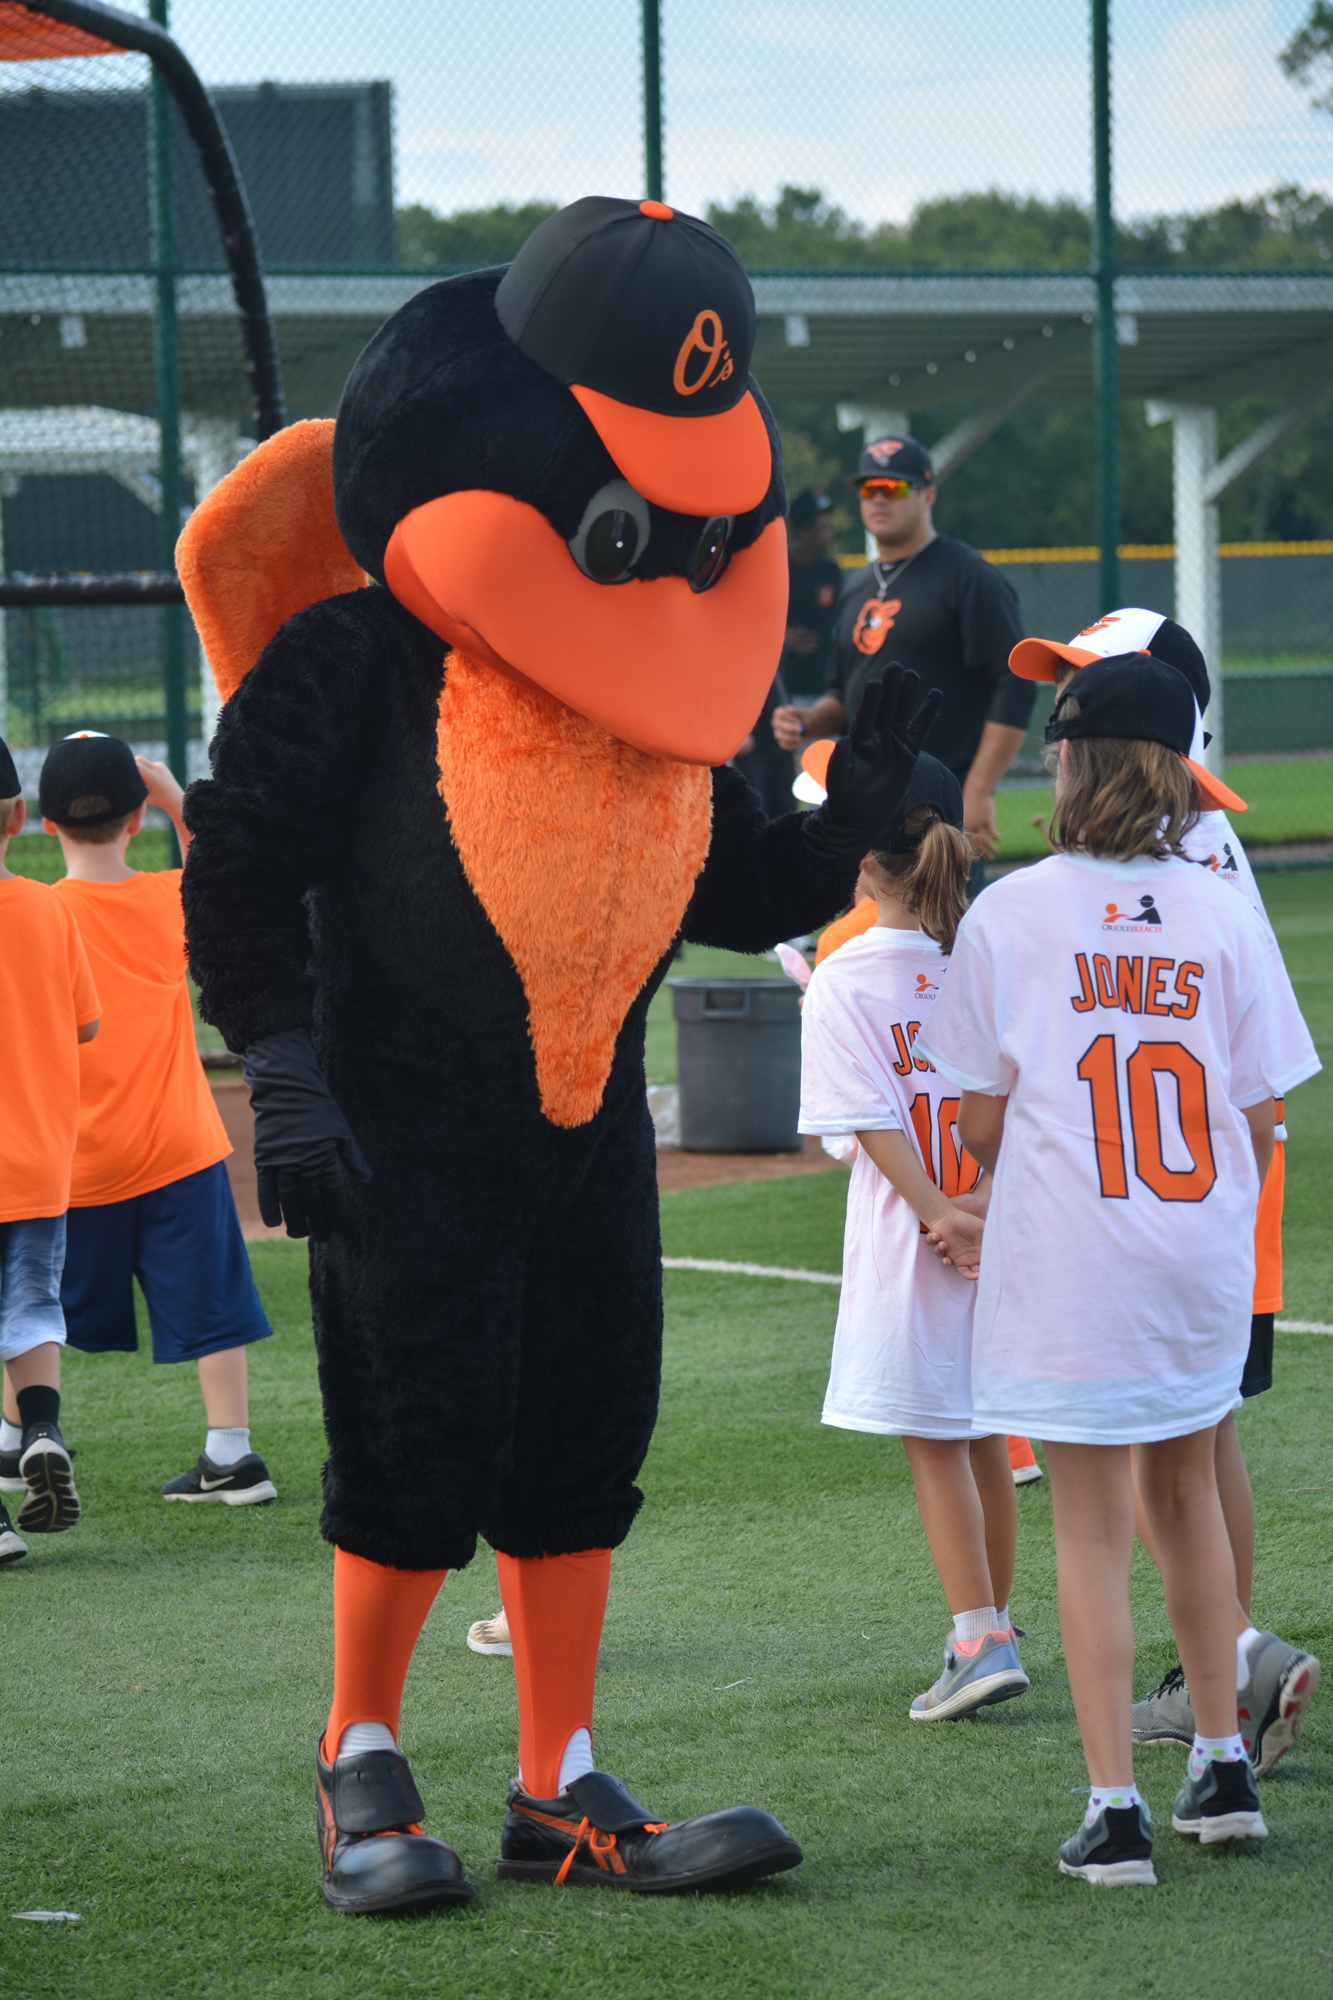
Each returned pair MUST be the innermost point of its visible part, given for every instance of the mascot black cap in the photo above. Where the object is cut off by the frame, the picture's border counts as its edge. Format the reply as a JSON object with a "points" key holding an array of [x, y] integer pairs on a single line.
{"points": [[647, 317]]}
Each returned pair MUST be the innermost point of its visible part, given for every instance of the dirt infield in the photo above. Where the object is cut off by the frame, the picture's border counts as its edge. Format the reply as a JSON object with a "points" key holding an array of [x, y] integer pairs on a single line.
{"points": [[675, 1169]]}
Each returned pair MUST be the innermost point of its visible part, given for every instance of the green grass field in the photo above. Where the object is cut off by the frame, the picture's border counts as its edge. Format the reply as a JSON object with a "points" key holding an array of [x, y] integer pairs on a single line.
{"points": [[165, 1672], [1289, 799]]}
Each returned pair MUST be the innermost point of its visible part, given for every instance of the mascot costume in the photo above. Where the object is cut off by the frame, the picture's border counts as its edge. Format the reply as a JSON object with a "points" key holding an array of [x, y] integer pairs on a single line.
{"points": [[486, 645]]}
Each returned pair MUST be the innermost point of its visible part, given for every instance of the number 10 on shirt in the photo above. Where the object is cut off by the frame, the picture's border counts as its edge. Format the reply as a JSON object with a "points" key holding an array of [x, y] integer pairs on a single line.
{"points": [[1099, 1069]]}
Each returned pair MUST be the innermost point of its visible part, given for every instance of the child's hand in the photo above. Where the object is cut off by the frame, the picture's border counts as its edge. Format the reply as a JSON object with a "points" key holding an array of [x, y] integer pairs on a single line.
{"points": [[955, 1237], [163, 789]]}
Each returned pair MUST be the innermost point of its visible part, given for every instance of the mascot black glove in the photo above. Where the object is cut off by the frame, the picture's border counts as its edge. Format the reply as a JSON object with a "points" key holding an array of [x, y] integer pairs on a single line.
{"points": [[302, 1141], [870, 769]]}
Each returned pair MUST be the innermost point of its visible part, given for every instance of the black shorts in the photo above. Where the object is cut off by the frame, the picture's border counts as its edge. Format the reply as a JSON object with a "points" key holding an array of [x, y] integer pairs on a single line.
{"points": [[1258, 1374]]}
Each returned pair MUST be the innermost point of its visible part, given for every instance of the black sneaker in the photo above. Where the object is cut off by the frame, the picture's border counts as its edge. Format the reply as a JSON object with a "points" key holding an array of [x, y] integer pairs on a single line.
{"points": [[52, 1504], [13, 1548], [595, 1834], [368, 1814], [11, 1479], [1115, 1852], [245, 1484], [1220, 1804]]}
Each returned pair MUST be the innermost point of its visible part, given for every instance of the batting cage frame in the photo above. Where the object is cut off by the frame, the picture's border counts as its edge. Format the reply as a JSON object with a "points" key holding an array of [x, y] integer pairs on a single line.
{"points": [[31, 32]]}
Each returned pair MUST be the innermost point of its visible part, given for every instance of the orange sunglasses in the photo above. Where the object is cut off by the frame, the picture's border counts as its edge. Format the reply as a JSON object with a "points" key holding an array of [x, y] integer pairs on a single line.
{"points": [[892, 489]]}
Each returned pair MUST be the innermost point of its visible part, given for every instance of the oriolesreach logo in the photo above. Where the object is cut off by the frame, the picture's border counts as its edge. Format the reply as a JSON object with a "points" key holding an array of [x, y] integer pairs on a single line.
{"points": [[706, 341], [1145, 918]]}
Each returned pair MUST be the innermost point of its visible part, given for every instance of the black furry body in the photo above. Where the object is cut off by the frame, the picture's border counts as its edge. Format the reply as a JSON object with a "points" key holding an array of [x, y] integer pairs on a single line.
{"points": [[489, 1330]]}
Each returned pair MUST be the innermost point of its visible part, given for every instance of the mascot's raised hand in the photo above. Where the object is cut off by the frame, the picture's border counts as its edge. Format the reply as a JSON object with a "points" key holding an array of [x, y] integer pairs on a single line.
{"points": [[871, 768]]}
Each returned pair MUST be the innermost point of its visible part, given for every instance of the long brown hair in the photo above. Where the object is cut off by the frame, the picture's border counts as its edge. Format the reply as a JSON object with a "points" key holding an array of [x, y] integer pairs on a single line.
{"points": [[1119, 797], [932, 881]]}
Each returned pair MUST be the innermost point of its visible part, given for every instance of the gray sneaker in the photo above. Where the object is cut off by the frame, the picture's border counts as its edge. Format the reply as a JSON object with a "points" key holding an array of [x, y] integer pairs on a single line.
{"points": [[1166, 1715], [992, 1674], [1115, 1852], [1220, 1804], [13, 1548], [1271, 1706]]}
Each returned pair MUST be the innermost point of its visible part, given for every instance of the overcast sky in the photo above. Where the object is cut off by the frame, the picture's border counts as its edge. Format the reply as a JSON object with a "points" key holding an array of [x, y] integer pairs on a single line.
{"points": [[872, 100]]}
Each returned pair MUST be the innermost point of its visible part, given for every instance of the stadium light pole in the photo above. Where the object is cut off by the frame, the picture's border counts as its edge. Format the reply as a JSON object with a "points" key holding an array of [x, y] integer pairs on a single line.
{"points": [[651, 11], [167, 371], [1105, 360]]}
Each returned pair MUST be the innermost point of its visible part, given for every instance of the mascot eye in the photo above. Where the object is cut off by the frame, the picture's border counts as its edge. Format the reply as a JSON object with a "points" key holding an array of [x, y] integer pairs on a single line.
{"points": [[613, 533], [711, 554]]}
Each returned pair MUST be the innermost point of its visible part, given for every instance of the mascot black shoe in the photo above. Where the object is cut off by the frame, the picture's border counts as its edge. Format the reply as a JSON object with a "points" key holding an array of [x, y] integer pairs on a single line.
{"points": [[376, 1857], [596, 1835], [486, 645]]}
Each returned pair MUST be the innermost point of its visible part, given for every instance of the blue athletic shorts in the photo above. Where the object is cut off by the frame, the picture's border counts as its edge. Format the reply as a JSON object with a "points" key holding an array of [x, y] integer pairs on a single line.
{"points": [[31, 1254], [183, 1243]]}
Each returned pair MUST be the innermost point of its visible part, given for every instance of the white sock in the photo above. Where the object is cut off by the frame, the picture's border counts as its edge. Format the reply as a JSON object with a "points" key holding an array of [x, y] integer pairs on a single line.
{"points": [[975, 1624], [1243, 1644], [226, 1444], [1102, 1796], [1215, 1750], [577, 1760], [359, 1736], [11, 1435], [1006, 1623]]}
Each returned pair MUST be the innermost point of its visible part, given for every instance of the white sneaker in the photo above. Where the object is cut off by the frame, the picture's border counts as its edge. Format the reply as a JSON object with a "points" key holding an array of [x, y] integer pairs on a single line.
{"points": [[490, 1635]]}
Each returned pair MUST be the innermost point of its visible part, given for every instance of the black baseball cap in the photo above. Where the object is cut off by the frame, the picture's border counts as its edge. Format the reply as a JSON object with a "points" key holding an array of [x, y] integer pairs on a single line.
{"points": [[1129, 629], [808, 506], [932, 784], [10, 786], [1148, 700], [89, 764], [648, 318], [894, 458]]}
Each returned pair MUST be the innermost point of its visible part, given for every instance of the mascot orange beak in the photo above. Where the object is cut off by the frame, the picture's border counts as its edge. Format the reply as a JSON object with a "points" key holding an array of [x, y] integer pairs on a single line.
{"points": [[674, 672]]}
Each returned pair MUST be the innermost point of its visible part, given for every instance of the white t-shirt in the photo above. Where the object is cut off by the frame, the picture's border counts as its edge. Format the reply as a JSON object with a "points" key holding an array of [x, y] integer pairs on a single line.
{"points": [[902, 1350], [1214, 843], [1124, 1008]]}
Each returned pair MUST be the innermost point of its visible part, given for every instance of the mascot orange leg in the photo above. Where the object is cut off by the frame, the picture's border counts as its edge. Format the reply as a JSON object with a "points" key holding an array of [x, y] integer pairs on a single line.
{"points": [[555, 1606]]}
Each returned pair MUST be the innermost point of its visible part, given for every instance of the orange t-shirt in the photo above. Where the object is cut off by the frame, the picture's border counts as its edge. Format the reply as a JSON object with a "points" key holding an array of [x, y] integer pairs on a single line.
{"points": [[146, 1114], [862, 917], [46, 995], [1268, 1234]]}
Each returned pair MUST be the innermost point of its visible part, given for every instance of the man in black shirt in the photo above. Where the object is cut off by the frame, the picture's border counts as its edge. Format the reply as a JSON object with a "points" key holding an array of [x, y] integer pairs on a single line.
{"points": [[814, 581], [934, 604], [814, 586]]}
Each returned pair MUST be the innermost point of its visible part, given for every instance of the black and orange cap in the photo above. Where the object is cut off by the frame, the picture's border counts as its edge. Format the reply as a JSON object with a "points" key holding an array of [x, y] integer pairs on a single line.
{"points": [[1145, 699], [648, 317]]}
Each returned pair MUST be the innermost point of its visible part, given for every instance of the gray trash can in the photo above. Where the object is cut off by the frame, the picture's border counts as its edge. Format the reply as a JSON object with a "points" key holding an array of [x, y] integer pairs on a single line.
{"points": [[738, 1064]]}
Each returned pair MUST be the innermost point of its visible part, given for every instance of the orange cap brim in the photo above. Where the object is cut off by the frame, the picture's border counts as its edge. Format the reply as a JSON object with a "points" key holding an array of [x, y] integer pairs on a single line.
{"points": [[1043, 660], [1211, 789], [692, 465], [815, 758]]}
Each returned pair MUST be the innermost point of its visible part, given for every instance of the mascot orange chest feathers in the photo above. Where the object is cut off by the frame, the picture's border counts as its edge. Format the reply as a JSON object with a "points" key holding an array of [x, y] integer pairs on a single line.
{"points": [[567, 474]]}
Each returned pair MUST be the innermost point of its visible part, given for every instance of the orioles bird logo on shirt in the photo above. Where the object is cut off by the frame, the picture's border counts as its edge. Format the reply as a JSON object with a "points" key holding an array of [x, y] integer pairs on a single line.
{"points": [[873, 621], [706, 341]]}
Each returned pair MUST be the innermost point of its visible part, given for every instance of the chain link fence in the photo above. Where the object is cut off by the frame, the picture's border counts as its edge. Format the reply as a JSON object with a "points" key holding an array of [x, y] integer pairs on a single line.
{"points": [[911, 189]]}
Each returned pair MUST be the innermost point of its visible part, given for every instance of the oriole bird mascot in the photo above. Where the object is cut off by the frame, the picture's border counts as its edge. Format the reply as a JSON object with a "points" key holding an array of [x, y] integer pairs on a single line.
{"points": [[487, 644]]}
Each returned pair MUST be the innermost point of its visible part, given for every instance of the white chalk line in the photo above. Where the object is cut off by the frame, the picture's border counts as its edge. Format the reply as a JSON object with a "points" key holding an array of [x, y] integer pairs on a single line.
{"points": [[835, 1278], [750, 1270]]}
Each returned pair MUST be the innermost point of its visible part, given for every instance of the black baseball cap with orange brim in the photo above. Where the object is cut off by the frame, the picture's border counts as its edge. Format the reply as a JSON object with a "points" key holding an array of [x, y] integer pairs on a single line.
{"points": [[647, 316], [1145, 699]]}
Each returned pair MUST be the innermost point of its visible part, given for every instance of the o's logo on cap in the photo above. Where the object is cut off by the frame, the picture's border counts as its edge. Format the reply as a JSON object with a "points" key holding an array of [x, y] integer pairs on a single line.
{"points": [[884, 449], [1102, 625], [704, 338]]}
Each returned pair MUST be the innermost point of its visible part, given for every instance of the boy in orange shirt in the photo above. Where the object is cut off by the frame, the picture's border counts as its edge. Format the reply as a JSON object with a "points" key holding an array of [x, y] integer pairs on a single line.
{"points": [[150, 1196], [48, 1005]]}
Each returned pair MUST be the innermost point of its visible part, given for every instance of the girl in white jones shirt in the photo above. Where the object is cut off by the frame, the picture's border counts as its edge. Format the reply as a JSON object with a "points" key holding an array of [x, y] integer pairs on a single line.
{"points": [[902, 1350], [1108, 1016]]}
